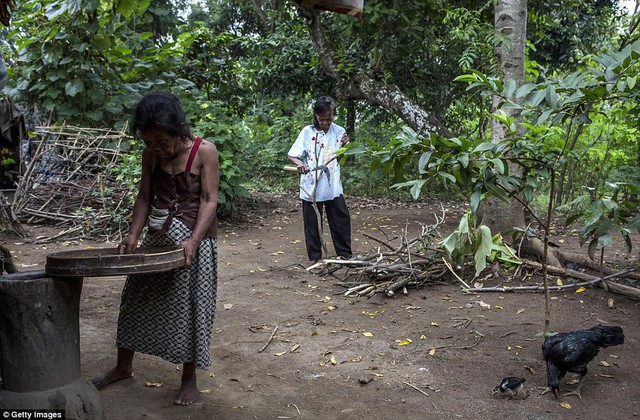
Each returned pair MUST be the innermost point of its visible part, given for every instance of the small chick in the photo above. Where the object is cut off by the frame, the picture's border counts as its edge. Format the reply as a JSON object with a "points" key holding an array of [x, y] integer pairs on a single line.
{"points": [[509, 387]]}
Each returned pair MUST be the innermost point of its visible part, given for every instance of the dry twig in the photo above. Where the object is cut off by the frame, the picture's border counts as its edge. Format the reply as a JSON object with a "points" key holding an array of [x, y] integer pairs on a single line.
{"points": [[273, 334], [69, 181]]}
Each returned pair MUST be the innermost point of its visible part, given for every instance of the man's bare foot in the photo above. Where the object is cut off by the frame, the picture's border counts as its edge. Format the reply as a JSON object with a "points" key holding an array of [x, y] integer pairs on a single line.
{"points": [[188, 393], [111, 376]]}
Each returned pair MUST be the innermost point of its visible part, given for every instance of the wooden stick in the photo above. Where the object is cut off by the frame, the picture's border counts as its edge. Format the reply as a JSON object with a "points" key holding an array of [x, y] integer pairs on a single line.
{"points": [[535, 288], [454, 273], [416, 388], [273, 334]]}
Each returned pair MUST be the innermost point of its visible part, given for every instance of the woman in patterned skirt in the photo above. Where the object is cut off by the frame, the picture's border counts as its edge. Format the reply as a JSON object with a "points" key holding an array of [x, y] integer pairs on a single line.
{"points": [[170, 314]]}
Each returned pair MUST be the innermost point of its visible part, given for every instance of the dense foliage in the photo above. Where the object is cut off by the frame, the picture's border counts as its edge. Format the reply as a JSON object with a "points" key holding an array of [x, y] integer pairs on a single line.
{"points": [[248, 72]]}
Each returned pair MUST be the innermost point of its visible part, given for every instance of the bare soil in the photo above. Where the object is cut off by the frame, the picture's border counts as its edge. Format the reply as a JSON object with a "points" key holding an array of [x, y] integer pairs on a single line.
{"points": [[320, 364]]}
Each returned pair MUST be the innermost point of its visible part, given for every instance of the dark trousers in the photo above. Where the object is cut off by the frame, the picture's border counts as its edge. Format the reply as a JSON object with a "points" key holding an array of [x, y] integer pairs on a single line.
{"points": [[339, 225]]}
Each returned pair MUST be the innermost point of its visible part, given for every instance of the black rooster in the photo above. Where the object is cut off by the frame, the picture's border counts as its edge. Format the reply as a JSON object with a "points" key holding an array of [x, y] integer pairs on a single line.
{"points": [[572, 351]]}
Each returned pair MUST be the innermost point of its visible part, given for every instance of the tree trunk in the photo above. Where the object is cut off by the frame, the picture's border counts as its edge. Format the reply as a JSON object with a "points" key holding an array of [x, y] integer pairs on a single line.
{"points": [[511, 21], [351, 120]]}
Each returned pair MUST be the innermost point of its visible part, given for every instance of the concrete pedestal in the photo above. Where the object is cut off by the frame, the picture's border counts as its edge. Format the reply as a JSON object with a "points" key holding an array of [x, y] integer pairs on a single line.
{"points": [[40, 346]]}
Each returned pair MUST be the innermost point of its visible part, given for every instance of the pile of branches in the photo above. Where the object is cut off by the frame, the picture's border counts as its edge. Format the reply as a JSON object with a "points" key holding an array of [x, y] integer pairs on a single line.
{"points": [[394, 264], [70, 183], [398, 263]]}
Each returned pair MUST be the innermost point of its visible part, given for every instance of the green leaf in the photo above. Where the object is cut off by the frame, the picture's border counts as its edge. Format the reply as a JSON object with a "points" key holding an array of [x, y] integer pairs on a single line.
{"points": [[496, 191], [551, 97], [466, 78], [74, 87], [525, 89], [483, 249], [537, 98], [417, 188], [499, 164], [605, 241], [509, 88], [631, 82], [450, 243], [628, 243], [475, 200], [483, 147], [464, 160], [424, 160], [55, 9], [592, 249], [447, 176]]}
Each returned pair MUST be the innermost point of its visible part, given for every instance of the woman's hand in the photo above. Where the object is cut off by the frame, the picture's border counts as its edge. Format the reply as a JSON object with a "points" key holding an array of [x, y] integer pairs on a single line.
{"points": [[302, 168], [190, 247], [128, 244]]}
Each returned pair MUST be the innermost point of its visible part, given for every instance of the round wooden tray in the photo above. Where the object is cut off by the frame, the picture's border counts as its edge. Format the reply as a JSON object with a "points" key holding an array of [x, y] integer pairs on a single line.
{"points": [[107, 262]]}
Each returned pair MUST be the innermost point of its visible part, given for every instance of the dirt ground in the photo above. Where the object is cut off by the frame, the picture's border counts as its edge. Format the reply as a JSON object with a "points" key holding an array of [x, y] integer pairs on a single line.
{"points": [[321, 364]]}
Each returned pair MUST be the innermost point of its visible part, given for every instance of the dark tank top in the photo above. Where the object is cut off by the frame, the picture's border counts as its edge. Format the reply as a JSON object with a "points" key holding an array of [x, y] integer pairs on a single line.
{"points": [[180, 193]]}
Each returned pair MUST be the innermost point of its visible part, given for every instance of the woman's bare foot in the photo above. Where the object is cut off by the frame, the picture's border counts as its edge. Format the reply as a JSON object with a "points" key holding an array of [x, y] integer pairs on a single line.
{"points": [[111, 376], [188, 393]]}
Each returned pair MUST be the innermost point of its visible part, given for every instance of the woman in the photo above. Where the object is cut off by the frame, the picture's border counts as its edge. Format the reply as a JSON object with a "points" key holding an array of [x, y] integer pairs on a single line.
{"points": [[313, 153], [170, 314]]}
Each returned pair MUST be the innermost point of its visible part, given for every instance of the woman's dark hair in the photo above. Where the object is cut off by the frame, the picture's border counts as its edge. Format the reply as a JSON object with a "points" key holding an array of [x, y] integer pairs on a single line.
{"points": [[322, 105], [161, 110]]}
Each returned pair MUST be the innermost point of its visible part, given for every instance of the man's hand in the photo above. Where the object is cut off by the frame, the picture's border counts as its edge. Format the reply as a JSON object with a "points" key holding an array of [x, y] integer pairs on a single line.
{"points": [[344, 140]]}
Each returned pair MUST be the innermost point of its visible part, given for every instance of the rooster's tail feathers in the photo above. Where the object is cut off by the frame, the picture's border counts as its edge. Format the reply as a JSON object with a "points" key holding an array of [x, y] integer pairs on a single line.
{"points": [[613, 335]]}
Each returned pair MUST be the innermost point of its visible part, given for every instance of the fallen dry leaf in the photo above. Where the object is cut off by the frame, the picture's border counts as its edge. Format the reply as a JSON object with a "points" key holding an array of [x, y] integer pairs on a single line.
{"points": [[432, 352], [404, 342], [610, 303], [228, 305], [483, 305], [581, 289], [280, 354], [520, 311], [367, 334], [565, 405], [530, 369], [604, 363], [154, 384]]}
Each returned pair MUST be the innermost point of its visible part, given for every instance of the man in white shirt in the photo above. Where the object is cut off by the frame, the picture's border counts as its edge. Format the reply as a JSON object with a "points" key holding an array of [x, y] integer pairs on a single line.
{"points": [[313, 153]]}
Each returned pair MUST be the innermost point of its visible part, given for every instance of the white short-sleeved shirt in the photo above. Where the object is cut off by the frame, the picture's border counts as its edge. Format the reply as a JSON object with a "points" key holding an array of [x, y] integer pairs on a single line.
{"points": [[314, 146]]}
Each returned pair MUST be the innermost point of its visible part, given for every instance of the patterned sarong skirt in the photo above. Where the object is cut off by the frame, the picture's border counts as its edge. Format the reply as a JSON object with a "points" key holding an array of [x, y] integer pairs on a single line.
{"points": [[170, 314]]}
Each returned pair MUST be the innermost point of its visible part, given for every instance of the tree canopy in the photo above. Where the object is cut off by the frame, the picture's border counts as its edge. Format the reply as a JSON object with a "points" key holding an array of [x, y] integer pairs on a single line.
{"points": [[247, 72]]}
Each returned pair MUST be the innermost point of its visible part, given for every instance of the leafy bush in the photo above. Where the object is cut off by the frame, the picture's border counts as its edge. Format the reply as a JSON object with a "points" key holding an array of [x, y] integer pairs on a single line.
{"points": [[213, 124]]}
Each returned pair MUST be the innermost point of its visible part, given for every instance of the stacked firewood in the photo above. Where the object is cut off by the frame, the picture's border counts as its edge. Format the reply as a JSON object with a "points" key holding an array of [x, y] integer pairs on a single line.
{"points": [[395, 263], [70, 183]]}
